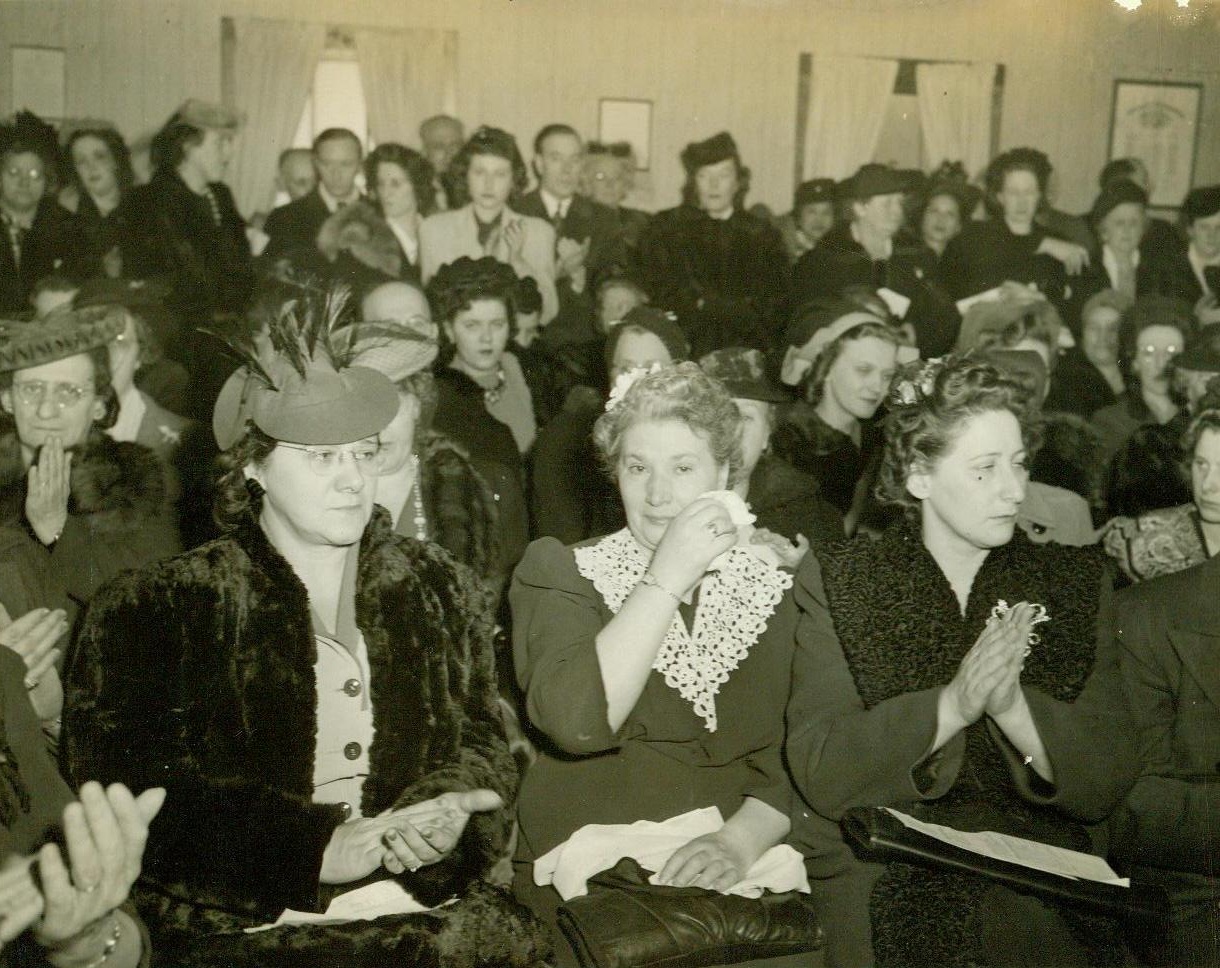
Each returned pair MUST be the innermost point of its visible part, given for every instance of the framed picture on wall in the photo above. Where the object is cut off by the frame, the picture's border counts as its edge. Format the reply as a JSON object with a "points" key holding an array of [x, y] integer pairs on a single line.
{"points": [[1158, 123], [629, 120]]}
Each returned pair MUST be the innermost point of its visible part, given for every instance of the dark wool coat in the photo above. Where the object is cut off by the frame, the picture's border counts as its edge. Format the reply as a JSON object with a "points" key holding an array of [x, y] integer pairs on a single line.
{"points": [[46, 248], [120, 513], [726, 280], [880, 634], [197, 674]]}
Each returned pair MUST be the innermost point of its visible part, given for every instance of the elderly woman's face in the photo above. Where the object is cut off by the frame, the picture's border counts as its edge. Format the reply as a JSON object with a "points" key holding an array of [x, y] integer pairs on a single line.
{"points": [[604, 179], [490, 181], [881, 214], [479, 333], [95, 166], [1099, 336], [1123, 227], [308, 502], [716, 186], [970, 495], [1155, 349], [1019, 197], [663, 466], [55, 399], [395, 191], [942, 220], [1205, 476], [756, 423]]}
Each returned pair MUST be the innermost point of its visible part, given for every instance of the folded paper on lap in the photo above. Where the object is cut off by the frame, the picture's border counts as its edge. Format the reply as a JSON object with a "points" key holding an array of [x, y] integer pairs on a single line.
{"points": [[598, 847], [363, 904], [1017, 850]]}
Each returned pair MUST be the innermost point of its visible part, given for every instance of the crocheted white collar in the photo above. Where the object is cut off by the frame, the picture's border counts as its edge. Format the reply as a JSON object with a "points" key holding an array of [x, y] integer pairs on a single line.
{"points": [[735, 603]]}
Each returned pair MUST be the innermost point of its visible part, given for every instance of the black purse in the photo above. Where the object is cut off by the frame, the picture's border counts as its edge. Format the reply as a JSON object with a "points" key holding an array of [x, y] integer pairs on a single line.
{"points": [[625, 922]]}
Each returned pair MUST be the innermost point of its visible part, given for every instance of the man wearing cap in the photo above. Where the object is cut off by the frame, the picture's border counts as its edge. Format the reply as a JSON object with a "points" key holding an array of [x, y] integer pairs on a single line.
{"points": [[812, 216], [1193, 274], [316, 692], [720, 268], [874, 250], [294, 227]]}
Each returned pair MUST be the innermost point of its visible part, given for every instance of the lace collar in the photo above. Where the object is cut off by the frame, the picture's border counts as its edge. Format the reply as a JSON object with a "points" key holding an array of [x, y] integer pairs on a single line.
{"points": [[735, 603]]}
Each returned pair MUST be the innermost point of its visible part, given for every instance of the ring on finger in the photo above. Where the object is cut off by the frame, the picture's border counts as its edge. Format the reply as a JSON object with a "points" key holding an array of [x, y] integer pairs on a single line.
{"points": [[90, 888], [30, 683]]}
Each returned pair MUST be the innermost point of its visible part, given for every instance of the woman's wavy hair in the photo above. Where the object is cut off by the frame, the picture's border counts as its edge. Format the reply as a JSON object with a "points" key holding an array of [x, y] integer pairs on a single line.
{"points": [[118, 152], [690, 190], [236, 497], [1017, 159], [680, 392], [459, 284], [486, 141], [928, 405], [414, 165], [815, 383]]}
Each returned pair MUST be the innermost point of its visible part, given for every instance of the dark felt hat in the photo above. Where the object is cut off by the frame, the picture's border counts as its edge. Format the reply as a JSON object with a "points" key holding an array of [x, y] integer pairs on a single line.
{"points": [[699, 154], [1118, 192], [743, 374], [1201, 203], [874, 179], [133, 294], [814, 190], [664, 326], [67, 332], [967, 195]]}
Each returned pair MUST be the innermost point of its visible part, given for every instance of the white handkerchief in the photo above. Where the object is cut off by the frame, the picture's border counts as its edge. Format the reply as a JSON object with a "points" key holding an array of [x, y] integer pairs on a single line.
{"points": [[363, 904], [598, 847]]}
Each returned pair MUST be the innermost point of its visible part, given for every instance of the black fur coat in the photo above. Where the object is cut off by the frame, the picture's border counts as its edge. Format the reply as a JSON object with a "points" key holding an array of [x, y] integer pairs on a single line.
{"points": [[197, 674], [120, 512]]}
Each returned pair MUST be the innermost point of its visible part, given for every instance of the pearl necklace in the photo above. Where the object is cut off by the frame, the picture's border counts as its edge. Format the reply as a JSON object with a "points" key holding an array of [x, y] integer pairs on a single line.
{"points": [[417, 503]]}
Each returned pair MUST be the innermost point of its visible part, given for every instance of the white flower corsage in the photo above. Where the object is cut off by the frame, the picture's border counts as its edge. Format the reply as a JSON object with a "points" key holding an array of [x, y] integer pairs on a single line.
{"points": [[624, 381]]}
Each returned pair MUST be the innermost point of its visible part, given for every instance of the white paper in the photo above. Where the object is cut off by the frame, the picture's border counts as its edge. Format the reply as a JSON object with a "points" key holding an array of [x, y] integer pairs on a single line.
{"points": [[898, 303], [988, 295], [1017, 850], [363, 904]]}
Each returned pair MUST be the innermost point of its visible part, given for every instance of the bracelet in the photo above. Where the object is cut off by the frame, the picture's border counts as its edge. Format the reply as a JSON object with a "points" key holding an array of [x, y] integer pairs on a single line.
{"points": [[112, 942], [651, 581]]}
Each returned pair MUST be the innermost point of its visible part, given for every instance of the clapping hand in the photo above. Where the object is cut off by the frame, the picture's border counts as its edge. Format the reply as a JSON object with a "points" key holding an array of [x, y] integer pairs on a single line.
{"points": [[34, 637], [105, 833], [513, 235], [47, 491], [989, 674]]}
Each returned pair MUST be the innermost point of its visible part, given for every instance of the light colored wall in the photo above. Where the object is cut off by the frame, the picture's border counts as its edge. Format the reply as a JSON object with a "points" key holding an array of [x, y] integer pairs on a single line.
{"points": [[707, 64]]}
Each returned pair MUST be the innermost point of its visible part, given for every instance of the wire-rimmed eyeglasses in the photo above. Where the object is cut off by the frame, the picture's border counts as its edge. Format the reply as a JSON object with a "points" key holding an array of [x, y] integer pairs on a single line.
{"points": [[63, 395], [324, 461]]}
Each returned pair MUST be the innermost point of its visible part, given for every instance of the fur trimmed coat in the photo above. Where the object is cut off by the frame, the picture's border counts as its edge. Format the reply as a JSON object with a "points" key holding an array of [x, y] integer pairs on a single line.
{"points": [[880, 634], [120, 512], [197, 674]]}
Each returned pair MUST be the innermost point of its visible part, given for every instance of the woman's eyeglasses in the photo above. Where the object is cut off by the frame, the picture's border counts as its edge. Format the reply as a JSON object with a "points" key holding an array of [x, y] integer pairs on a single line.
{"points": [[324, 461], [63, 395]]}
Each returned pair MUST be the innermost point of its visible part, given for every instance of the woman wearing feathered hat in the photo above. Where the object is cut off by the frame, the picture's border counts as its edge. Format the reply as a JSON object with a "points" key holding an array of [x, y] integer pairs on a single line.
{"points": [[316, 692], [721, 269]]}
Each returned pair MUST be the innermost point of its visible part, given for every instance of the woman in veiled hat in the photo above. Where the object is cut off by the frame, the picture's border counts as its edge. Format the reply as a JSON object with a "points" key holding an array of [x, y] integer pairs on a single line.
{"points": [[315, 691], [96, 505], [723, 270]]}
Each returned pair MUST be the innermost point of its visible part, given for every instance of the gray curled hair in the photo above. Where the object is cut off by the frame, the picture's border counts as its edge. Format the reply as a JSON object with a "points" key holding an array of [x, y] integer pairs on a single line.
{"points": [[680, 392]]}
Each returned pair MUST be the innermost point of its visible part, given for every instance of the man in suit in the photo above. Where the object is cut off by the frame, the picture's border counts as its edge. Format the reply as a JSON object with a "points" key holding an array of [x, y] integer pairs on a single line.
{"points": [[588, 242], [293, 228], [1168, 829]]}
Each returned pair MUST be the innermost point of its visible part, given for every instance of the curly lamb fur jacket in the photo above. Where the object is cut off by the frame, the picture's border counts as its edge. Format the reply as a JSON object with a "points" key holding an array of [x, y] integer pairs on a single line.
{"points": [[197, 674]]}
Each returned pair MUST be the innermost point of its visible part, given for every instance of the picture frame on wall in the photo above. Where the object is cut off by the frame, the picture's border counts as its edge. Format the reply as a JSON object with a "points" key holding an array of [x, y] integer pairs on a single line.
{"points": [[1158, 123], [629, 120]]}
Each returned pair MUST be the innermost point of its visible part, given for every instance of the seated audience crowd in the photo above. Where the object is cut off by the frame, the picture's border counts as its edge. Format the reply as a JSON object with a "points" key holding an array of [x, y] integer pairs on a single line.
{"points": [[455, 561]]}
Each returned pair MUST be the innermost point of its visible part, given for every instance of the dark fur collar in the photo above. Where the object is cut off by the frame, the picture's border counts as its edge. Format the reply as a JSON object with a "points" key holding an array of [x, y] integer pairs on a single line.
{"points": [[118, 485]]}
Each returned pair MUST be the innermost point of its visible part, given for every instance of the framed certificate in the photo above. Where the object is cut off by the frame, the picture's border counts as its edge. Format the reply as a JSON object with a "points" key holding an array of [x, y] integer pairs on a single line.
{"points": [[1158, 123]]}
